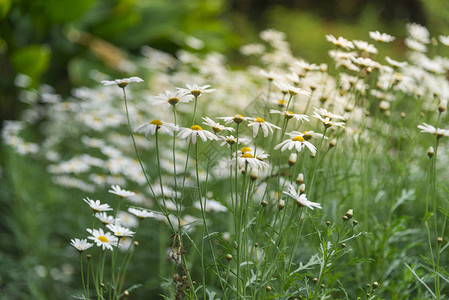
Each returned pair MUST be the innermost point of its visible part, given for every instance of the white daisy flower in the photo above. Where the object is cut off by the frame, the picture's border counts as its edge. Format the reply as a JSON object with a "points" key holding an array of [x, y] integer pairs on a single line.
{"points": [[197, 90], [120, 231], [419, 33], [80, 245], [292, 90], [141, 214], [261, 123], [415, 45], [96, 205], [238, 118], [171, 98], [195, 131], [231, 140], [122, 82], [102, 239], [104, 218], [381, 37], [298, 142], [289, 115], [307, 135], [340, 42], [326, 114], [245, 157], [301, 200], [217, 127], [396, 63], [149, 129], [211, 205], [432, 130], [365, 47], [117, 190], [327, 122]]}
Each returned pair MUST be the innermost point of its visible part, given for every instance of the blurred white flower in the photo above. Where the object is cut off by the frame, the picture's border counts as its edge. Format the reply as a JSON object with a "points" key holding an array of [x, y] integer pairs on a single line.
{"points": [[122, 82], [117, 190], [381, 37], [96, 205], [194, 131], [301, 200], [80, 245], [102, 239], [149, 129], [262, 124]]}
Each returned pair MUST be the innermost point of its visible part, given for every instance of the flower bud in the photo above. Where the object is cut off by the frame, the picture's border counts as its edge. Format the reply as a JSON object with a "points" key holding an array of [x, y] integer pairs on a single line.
{"points": [[88, 256], [430, 152], [343, 245], [375, 284], [355, 222], [302, 188], [439, 240], [332, 143], [264, 203], [345, 218], [367, 113], [292, 159], [281, 204], [300, 178], [403, 115], [349, 213], [126, 293], [228, 256], [254, 174], [328, 223], [442, 106], [315, 280], [268, 288], [136, 243]]}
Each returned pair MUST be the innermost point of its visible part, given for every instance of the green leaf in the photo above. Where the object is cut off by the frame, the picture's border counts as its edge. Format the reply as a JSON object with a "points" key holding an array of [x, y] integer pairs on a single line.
{"points": [[32, 60]]}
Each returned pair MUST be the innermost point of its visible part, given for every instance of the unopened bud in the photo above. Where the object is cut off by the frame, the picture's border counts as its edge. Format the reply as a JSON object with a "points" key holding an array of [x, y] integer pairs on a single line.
{"points": [[442, 106], [387, 113], [292, 159], [315, 280], [367, 113], [345, 218], [264, 203], [256, 244], [422, 114], [332, 143], [281, 204], [328, 223], [102, 284], [343, 245], [384, 105], [268, 288], [355, 222], [403, 115], [228, 256], [302, 188], [322, 285], [136, 243], [349, 213], [126, 293], [254, 174], [375, 284], [300, 178], [89, 256], [430, 152], [439, 240]]}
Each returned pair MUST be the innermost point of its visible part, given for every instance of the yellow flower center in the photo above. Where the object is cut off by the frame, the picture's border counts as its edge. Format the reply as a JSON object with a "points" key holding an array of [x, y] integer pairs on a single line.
{"points": [[307, 135], [195, 93], [260, 120], [230, 142], [156, 122], [216, 129], [247, 155], [281, 102], [288, 114], [118, 233], [299, 139], [196, 127], [173, 101], [122, 84], [238, 118], [103, 239], [245, 149]]}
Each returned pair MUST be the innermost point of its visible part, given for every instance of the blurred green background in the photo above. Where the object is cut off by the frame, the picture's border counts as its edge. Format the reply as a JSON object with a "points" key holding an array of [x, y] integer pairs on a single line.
{"points": [[56, 42]]}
